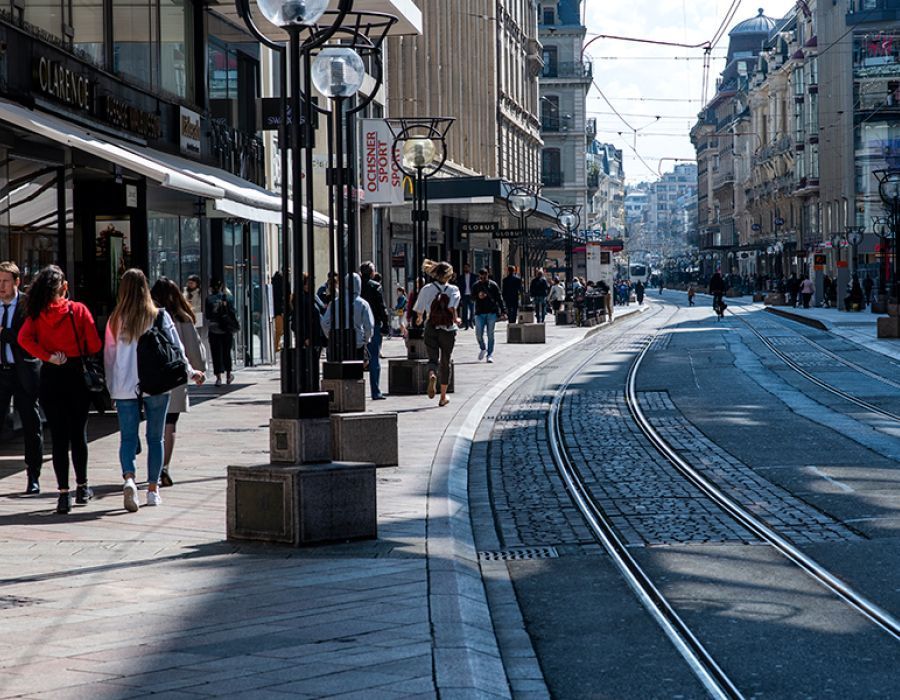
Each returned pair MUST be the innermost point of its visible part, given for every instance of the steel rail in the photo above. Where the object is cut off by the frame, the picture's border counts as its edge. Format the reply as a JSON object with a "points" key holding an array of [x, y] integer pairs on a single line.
{"points": [[686, 643], [873, 612]]}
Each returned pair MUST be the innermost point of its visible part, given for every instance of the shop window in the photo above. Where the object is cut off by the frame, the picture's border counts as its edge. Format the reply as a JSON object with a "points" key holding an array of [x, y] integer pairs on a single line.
{"points": [[46, 16], [135, 29], [87, 21], [29, 214], [173, 247], [176, 47]]}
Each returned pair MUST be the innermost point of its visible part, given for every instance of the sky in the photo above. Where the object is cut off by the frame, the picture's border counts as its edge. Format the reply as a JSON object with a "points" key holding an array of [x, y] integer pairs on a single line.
{"points": [[643, 81]]}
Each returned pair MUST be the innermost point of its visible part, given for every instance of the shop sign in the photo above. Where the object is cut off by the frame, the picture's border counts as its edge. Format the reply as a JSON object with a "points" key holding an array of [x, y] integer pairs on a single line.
{"points": [[479, 227], [382, 179], [63, 84], [125, 116], [189, 131], [131, 196]]}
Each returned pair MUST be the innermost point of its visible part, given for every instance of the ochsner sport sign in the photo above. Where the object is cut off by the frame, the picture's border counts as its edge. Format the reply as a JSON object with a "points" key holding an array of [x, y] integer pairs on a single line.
{"points": [[382, 180]]}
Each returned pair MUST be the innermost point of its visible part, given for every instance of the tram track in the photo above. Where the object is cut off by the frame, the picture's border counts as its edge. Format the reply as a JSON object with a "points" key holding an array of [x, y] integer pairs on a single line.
{"points": [[809, 376], [698, 658]]}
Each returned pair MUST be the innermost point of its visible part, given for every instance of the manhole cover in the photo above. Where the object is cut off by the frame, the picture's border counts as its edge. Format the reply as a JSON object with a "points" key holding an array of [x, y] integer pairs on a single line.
{"points": [[519, 554]]}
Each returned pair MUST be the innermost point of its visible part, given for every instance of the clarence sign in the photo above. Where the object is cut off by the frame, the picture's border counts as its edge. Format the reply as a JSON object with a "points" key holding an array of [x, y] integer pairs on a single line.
{"points": [[63, 84]]}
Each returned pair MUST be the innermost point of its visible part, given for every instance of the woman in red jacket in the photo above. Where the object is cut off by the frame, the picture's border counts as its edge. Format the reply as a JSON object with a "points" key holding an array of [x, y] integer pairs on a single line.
{"points": [[60, 332]]}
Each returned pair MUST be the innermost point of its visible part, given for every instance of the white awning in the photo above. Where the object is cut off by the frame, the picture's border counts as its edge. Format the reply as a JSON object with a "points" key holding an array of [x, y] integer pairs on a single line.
{"points": [[229, 195], [68, 134]]}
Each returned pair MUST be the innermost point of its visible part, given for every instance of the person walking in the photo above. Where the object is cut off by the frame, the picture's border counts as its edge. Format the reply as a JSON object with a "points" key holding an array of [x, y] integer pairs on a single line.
{"points": [[717, 290], [793, 289], [20, 374], [277, 310], [439, 300], [165, 295], [488, 309], [61, 333], [466, 282], [223, 324], [868, 284], [512, 290], [538, 291], [691, 292], [373, 296], [357, 315], [557, 295], [134, 315], [639, 292], [807, 289], [399, 311]]}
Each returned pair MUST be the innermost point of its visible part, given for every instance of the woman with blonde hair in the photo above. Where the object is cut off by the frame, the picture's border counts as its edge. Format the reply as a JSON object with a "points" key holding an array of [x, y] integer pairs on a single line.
{"points": [[437, 304], [62, 333], [134, 315], [166, 295]]}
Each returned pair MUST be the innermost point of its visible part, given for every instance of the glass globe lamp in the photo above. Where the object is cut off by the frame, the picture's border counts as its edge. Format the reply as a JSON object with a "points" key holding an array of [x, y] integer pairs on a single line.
{"points": [[338, 72], [418, 153], [568, 220], [285, 13]]}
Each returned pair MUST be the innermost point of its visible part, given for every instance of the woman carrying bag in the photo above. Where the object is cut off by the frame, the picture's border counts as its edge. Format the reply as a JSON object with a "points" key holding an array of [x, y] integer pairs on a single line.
{"points": [[62, 334], [166, 295], [134, 316]]}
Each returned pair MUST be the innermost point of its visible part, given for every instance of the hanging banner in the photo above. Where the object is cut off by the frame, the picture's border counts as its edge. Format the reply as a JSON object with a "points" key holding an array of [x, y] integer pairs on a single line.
{"points": [[382, 180]]}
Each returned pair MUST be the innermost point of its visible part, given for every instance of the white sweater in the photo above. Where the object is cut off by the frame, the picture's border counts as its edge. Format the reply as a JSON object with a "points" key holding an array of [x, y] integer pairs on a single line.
{"points": [[120, 360]]}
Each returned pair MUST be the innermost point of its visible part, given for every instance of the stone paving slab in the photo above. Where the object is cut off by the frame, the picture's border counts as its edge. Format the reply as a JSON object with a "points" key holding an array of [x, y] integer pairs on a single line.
{"points": [[109, 604]]}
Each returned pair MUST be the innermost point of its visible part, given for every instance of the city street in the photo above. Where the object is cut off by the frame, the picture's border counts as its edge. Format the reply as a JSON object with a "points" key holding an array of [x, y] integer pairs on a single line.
{"points": [[486, 579]]}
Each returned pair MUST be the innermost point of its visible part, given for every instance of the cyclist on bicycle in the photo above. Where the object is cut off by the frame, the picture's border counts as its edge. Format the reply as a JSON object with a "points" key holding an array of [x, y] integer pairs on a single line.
{"points": [[717, 289]]}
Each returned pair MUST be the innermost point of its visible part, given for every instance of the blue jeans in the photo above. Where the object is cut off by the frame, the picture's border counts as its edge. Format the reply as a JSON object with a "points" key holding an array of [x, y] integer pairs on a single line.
{"points": [[540, 308], [155, 408], [374, 348], [483, 321]]}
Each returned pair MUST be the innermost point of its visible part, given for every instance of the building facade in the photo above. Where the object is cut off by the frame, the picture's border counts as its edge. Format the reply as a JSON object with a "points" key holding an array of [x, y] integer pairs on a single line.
{"points": [[570, 173]]}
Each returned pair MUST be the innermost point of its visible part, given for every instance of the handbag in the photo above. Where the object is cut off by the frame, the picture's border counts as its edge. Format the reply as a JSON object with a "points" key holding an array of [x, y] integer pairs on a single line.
{"points": [[91, 367]]}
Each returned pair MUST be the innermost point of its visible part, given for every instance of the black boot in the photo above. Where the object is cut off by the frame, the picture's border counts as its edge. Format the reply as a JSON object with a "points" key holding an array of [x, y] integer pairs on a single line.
{"points": [[83, 493], [64, 504]]}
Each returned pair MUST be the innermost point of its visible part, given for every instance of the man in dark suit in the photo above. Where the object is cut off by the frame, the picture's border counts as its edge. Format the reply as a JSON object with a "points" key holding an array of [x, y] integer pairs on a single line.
{"points": [[20, 373], [466, 281]]}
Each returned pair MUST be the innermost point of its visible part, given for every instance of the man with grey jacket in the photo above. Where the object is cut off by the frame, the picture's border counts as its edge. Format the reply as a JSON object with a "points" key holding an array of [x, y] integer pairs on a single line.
{"points": [[357, 315]]}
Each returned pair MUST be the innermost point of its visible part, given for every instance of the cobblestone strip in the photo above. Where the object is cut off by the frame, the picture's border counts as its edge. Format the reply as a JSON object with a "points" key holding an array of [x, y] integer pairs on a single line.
{"points": [[642, 494], [781, 510]]}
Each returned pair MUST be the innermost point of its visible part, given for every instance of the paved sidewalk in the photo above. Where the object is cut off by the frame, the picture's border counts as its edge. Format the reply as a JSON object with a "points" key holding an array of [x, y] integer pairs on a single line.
{"points": [[109, 604]]}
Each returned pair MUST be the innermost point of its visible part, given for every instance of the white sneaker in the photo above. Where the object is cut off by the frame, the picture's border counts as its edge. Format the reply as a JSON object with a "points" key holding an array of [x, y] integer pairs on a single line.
{"points": [[130, 492], [490, 359], [482, 354], [153, 498]]}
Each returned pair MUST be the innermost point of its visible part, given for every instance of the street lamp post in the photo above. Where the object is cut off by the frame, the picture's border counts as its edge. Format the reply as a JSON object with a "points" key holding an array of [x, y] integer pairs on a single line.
{"points": [[854, 236], [882, 227], [569, 218], [299, 369], [522, 202], [419, 151], [889, 190]]}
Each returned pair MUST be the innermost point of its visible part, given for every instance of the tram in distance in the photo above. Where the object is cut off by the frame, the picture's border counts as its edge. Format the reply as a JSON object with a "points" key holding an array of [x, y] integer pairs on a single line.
{"points": [[639, 271]]}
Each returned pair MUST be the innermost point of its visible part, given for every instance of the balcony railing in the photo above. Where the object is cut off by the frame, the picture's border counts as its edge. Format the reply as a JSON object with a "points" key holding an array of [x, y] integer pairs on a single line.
{"points": [[556, 124], [593, 180], [552, 179], [567, 69], [722, 177]]}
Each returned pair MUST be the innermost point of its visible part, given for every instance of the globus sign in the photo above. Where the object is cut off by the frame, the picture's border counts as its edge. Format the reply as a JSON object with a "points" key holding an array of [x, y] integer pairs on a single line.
{"points": [[382, 179]]}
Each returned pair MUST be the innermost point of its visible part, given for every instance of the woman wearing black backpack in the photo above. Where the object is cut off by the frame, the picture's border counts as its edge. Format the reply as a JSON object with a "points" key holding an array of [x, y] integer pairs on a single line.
{"points": [[135, 314], [223, 324], [439, 301]]}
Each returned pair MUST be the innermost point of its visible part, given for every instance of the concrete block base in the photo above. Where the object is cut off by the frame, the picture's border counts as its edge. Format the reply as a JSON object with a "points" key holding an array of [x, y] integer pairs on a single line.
{"points": [[415, 349], [298, 506], [410, 377], [757, 297], [878, 307], [525, 317], [775, 299], [345, 395], [564, 318], [527, 333], [889, 327], [299, 441], [365, 437]]}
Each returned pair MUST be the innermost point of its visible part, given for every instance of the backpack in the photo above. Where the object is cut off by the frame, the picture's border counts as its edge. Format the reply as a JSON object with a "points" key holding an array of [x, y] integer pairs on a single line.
{"points": [[161, 367], [440, 314]]}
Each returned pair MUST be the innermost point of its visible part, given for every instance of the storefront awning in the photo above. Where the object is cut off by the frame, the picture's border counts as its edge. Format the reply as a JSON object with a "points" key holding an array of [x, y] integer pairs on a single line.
{"points": [[68, 134], [227, 195]]}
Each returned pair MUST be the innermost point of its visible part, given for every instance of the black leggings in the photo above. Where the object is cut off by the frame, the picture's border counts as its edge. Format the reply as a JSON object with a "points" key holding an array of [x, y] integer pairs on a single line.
{"points": [[221, 344], [66, 401]]}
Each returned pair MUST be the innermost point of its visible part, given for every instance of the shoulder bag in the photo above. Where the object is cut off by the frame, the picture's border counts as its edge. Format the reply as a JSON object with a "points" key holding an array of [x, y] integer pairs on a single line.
{"points": [[91, 367]]}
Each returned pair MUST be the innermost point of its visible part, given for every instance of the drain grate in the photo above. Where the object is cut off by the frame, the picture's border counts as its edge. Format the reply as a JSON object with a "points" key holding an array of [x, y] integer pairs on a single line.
{"points": [[7, 602], [519, 554]]}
